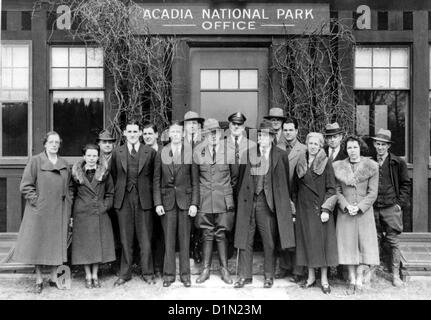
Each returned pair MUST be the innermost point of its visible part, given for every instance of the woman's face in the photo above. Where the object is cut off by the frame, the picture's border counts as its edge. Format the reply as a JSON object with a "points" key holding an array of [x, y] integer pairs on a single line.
{"points": [[52, 144], [91, 156], [353, 150], [313, 145]]}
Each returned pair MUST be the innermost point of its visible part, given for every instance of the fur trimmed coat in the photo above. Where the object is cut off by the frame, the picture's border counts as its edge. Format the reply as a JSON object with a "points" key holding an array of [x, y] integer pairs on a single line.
{"points": [[356, 235], [92, 236], [313, 191]]}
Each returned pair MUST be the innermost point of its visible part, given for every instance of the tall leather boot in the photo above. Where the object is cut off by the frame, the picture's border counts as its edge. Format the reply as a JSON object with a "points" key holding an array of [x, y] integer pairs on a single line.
{"points": [[222, 253], [396, 260], [208, 252]]}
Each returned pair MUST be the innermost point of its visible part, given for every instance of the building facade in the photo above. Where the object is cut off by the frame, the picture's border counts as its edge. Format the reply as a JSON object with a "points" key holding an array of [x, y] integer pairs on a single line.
{"points": [[50, 82]]}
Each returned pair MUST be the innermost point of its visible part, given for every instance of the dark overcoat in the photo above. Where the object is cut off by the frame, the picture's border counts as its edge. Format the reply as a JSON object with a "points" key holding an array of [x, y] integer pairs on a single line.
{"points": [[280, 189], [92, 237], [314, 191], [42, 238]]}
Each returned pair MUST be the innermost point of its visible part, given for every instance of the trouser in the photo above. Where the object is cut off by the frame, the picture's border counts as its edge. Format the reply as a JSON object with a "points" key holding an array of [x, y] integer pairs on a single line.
{"points": [[132, 219], [215, 225], [265, 221], [288, 262], [157, 243], [389, 226], [176, 222]]}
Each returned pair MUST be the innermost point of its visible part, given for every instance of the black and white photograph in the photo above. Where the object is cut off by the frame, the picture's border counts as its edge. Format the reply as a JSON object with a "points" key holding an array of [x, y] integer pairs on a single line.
{"points": [[215, 155]]}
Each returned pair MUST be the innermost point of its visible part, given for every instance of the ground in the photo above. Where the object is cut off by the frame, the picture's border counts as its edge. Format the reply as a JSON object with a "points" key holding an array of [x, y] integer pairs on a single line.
{"points": [[14, 286]]}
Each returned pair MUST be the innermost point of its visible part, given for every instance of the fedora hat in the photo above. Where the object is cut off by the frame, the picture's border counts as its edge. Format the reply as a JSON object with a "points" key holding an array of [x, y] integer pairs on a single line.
{"points": [[332, 129], [237, 117], [266, 125], [105, 136], [210, 125], [383, 135], [192, 116], [276, 113]]}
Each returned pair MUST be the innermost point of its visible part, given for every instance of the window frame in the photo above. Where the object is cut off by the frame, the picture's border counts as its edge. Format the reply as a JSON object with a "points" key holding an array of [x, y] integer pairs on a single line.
{"points": [[51, 90], [409, 109], [21, 160], [219, 89]]}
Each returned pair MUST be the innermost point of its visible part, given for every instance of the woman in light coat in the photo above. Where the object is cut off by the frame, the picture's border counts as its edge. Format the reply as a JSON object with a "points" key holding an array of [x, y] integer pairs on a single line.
{"points": [[42, 238], [358, 182]]}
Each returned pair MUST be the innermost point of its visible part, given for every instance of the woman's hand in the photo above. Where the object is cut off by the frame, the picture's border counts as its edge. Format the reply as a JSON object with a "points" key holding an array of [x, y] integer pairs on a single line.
{"points": [[353, 210], [324, 216], [160, 211], [71, 223]]}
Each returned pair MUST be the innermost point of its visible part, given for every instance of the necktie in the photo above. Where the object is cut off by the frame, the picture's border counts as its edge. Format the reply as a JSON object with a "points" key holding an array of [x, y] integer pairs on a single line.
{"points": [[214, 153], [331, 153], [177, 155], [380, 160], [133, 151], [236, 150]]}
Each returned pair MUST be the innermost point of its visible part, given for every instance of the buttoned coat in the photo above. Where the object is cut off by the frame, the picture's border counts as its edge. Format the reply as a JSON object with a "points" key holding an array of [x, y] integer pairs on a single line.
{"points": [[175, 183], [280, 189], [42, 238], [92, 237], [145, 175], [357, 235], [294, 155]]}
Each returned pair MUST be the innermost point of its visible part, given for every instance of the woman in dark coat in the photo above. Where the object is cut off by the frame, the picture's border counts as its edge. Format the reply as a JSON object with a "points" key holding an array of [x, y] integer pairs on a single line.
{"points": [[93, 238], [315, 197], [42, 238]]}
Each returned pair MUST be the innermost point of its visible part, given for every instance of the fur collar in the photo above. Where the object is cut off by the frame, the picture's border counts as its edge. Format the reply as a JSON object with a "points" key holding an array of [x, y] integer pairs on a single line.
{"points": [[78, 173], [318, 165], [344, 173]]}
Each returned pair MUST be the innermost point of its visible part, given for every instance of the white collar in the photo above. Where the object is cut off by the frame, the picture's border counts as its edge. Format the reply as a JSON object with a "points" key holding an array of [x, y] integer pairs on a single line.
{"points": [[129, 146], [266, 154]]}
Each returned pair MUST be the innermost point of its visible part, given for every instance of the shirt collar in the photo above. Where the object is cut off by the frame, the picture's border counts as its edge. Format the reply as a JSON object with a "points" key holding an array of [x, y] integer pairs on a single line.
{"points": [[239, 138], [383, 157], [129, 146], [266, 154]]}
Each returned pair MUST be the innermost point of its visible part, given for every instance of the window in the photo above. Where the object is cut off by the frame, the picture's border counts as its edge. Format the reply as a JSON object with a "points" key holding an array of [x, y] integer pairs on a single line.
{"points": [[224, 90], [382, 83], [15, 99], [77, 95]]}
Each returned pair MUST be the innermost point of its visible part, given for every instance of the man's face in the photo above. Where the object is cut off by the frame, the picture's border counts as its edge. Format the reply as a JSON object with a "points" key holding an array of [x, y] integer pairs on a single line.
{"points": [[236, 129], [191, 127], [276, 123], [264, 139], [175, 133], [150, 137], [132, 133], [290, 132], [381, 147], [334, 140], [213, 137], [106, 146]]}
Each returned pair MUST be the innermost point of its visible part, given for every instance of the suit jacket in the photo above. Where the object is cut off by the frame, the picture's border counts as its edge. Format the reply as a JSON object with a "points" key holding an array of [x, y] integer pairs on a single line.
{"points": [[280, 190], [282, 142], [294, 154], [342, 154], [175, 183], [146, 156]]}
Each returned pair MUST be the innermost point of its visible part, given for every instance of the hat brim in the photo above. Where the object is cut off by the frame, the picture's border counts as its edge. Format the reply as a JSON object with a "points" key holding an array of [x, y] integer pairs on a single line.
{"points": [[201, 120], [382, 140], [103, 139], [327, 134], [207, 131], [266, 130]]}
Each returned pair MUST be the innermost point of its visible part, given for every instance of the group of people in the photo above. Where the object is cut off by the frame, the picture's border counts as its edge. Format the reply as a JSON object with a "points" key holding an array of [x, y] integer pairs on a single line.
{"points": [[318, 205]]}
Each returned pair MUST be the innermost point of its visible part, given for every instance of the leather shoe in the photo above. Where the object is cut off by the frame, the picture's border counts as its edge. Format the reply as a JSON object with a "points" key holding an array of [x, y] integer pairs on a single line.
{"points": [[187, 283], [119, 282], [167, 283], [326, 289], [88, 284], [241, 282], [38, 288], [149, 279], [52, 283], [284, 273], [268, 282], [203, 276], [225, 276], [96, 283], [351, 289], [306, 284], [295, 278]]}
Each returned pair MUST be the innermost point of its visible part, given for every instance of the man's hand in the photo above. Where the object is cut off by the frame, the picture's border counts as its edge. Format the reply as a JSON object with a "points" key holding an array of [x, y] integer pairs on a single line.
{"points": [[324, 216], [160, 211], [193, 210]]}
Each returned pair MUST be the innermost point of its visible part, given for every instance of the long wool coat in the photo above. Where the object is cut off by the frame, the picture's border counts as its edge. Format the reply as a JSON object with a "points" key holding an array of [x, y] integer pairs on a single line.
{"points": [[313, 191], [280, 189], [356, 235], [92, 237], [42, 238]]}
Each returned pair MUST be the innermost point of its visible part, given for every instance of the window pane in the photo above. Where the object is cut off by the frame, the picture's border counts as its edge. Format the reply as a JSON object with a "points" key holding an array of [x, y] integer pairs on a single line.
{"points": [[20, 78], [362, 78], [14, 129], [94, 57], [6, 78], [363, 57], [20, 56], [77, 78], [59, 78], [6, 58], [95, 77], [381, 78], [248, 79], [209, 79], [60, 57], [380, 57], [228, 79], [77, 57], [399, 57], [399, 78], [78, 118]]}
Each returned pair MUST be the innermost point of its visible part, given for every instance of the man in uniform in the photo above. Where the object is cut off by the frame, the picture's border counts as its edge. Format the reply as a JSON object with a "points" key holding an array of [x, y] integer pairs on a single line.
{"points": [[393, 197]]}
